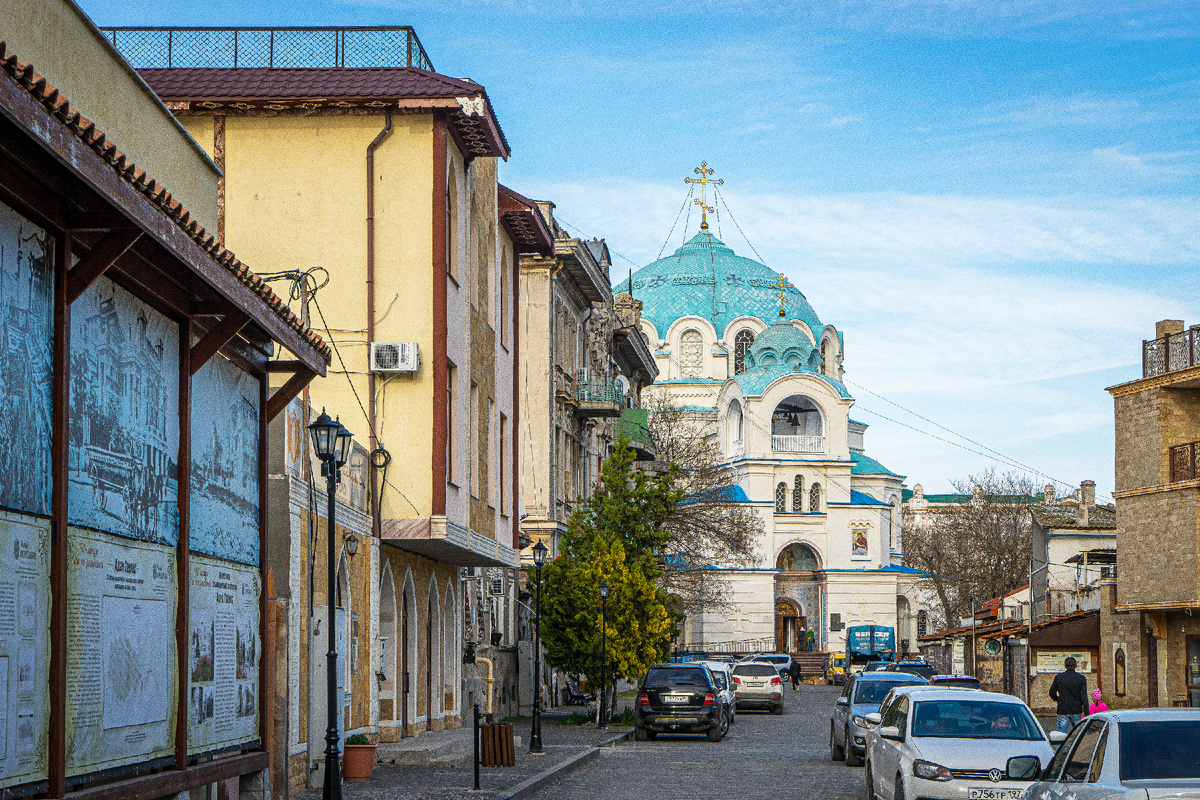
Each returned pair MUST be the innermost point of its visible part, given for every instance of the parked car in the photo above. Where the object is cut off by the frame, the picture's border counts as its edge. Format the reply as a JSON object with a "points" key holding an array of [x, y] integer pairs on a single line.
{"points": [[861, 696], [723, 675], [876, 666], [757, 684], [956, 681], [679, 698], [781, 661], [1149, 753], [835, 672], [954, 743], [913, 668]]}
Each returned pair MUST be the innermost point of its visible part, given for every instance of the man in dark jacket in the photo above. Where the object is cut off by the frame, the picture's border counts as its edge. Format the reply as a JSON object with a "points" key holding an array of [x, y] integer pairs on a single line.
{"points": [[795, 674], [1069, 690]]}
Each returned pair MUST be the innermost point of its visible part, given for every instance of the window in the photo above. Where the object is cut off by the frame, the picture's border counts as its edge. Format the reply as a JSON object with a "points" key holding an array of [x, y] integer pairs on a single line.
{"points": [[734, 422], [504, 298], [798, 495], [1162, 749], [781, 498], [691, 354], [814, 499], [473, 432], [486, 467], [451, 426], [1193, 671], [741, 345], [1079, 764], [1054, 771], [825, 357], [922, 623], [504, 460]]}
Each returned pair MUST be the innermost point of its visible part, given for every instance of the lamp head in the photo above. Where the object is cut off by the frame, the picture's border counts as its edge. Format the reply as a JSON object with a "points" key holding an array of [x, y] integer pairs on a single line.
{"points": [[603, 590], [351, 544], [324, 436], [539, 553], [344, 438]]}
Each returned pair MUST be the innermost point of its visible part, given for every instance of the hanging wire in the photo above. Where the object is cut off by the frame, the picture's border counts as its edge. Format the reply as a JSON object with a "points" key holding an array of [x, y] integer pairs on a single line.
{"points": [[666, 241], [729, 211]]}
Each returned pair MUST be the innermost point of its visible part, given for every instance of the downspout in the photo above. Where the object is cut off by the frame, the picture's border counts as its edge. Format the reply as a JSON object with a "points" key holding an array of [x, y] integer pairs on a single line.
{"points": [[378, 140], [488, 661]]}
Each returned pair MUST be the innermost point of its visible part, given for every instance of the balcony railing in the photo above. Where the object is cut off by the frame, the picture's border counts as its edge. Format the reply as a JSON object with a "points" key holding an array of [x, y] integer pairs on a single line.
{"points": [[276, 48], [1172, 352], [1185, 462], [798, 444], [599, 390]]}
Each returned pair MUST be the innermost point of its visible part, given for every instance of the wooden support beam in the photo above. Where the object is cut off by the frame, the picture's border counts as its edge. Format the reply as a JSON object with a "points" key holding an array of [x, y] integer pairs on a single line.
{"points": [[285, 366], [149, 787], [102, 256], [217, 337], [286, 393]]}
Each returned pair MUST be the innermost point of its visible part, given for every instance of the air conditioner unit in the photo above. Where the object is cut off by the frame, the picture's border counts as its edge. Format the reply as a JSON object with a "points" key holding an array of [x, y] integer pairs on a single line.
{"points": [[472, 572], [395, 357]]}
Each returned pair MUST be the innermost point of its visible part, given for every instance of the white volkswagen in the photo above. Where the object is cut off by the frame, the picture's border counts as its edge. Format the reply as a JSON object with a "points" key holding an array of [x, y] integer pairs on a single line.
{"points": [[954, 743]]}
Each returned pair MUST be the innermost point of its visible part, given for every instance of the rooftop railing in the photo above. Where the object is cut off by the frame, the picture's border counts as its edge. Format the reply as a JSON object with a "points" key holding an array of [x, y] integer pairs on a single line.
{"points": [[1171, 352], [272, 48], [797, 444]]}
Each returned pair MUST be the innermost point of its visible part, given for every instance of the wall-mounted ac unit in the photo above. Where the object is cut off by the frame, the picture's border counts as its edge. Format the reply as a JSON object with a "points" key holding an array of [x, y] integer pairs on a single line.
{"points": [[472, 572], [496, 587], [395, 357]]}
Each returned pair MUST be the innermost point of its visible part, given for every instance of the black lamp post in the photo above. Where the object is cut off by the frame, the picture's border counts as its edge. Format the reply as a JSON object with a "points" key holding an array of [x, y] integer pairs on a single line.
{"points": [[535, 731], [331, 441], [602, 722]]}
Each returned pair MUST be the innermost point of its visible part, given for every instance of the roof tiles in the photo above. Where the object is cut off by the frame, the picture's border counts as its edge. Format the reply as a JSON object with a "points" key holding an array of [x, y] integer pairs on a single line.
{"points": [[279, 84]]}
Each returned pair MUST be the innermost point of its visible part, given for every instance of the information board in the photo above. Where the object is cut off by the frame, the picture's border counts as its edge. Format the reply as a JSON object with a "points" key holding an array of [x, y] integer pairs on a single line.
{"points": [[121, 660], [1053, 660], [224, 647], [24, 648]]}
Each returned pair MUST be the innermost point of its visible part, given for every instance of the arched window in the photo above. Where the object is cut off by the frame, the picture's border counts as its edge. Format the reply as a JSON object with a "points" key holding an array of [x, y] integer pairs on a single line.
{"points": [[1119, 672], [814, 499], [796, 416], [781, 498], [733, 424], [798, 495], [741, 344], [825, 357], [797, 557], [691, 354], [922, 623]]}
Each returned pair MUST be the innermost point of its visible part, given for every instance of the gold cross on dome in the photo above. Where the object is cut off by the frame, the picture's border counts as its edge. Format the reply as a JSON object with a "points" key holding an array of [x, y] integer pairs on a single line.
{"points": [[782, 284], [704, 170]]}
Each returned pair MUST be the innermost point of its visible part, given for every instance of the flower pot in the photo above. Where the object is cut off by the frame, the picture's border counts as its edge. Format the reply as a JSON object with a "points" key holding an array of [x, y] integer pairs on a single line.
{"points": [[357, 761]]}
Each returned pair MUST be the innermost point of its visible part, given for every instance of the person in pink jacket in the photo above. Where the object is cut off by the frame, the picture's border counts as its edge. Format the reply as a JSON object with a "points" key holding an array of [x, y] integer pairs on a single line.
{"points": [[1097, 704]]}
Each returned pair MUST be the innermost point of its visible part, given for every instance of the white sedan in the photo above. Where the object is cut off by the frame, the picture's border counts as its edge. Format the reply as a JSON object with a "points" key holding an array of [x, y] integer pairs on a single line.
{"points": [[954, 743]]}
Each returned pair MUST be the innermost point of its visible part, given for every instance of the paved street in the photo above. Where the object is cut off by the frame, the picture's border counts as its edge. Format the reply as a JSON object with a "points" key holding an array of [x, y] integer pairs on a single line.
{"points": [[764, 756]]}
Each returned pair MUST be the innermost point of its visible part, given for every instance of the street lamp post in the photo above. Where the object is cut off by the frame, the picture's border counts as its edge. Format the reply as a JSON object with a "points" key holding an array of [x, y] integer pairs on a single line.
{"points": [[331, 441], [602, 722], [535, 731]]}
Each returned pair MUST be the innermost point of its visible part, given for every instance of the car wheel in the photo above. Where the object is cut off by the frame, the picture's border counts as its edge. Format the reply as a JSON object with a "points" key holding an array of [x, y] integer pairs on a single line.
{"points": [[715, 733], [853, 759], [870, 783], [640, 734], [724, 724], [778, 710], [899, 793], [836, 753]]}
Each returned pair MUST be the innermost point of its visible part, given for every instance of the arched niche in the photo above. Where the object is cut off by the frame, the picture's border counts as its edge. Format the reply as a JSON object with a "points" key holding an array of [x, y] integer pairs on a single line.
{"points": [[797, 415], [798, 557]]}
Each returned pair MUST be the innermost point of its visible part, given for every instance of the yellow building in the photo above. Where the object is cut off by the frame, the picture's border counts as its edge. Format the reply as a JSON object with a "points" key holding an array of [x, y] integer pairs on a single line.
{"points": [[366, 183]]}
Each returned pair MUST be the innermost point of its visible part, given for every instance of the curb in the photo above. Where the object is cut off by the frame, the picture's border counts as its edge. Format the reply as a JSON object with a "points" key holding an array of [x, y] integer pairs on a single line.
{"points": [[543, 779]]}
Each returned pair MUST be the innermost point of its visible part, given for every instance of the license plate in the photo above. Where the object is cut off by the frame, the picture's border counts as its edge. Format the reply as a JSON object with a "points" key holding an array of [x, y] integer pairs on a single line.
{"points": [[994, 794], [674, 698]]}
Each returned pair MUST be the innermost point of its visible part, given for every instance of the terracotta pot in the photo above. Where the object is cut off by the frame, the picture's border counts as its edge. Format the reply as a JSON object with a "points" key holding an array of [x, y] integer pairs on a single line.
{"points": [[357, 761]]}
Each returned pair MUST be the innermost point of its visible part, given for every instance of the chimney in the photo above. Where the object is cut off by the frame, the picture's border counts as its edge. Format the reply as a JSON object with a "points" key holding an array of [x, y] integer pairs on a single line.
{"points": [[1167, 326], [1049, 493], [1087, 499]]}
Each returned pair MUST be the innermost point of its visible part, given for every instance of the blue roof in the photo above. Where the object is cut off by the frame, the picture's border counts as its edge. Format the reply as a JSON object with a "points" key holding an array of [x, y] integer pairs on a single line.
{"points": [[726, 494], [753, 384], [865, 465], [858, 498], [706, 278]]}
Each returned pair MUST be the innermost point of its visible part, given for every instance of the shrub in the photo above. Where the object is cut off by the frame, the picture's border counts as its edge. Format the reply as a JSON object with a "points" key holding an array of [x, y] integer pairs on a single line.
{"points": [[358, 738]]}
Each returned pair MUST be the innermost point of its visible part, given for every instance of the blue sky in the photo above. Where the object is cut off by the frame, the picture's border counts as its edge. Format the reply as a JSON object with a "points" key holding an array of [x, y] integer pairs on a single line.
{"points": [[995, 201]]}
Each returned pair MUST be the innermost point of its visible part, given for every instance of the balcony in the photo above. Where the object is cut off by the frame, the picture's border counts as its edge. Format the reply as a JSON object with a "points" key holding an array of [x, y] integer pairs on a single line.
{"points": [[798, 444], [598, 397], [1172, 352], [1185, 462]]}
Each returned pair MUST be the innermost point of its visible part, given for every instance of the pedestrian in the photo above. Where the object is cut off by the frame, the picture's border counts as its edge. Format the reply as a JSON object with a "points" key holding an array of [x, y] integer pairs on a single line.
{"points": [[1097, 704], [1069, 691], [796, 675]]}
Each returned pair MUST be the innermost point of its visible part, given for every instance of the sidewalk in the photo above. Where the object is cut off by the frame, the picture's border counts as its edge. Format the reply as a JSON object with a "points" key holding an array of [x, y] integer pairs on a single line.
{"points": [[451, 776]]}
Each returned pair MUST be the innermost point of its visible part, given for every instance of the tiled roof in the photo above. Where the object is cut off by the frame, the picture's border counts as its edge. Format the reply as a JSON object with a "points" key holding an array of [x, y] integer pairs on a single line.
{"points": [[60, 109], [307, 90], [865, 465], [753, 384], [858, 498], [1062, 515]]}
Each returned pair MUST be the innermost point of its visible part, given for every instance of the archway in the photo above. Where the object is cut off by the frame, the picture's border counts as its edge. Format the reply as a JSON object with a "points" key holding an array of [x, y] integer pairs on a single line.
{"points": [[388, 645], [345, 634], [797, 557], [797, 426], [788, 626]]}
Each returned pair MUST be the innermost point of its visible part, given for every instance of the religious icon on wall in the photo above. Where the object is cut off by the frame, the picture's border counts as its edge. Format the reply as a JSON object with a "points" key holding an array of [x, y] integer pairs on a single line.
{"points": [[860, 542]]}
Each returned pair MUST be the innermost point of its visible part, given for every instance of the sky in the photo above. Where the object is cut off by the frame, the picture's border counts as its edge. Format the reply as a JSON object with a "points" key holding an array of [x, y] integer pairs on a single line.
{"points": [[994, 201]]}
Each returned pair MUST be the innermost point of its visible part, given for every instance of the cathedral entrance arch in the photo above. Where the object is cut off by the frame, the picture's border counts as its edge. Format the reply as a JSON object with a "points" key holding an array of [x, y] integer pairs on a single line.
{"points": [[789, 626]]}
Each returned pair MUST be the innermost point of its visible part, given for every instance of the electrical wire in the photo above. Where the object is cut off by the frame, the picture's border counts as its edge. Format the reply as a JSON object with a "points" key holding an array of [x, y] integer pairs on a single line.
{"points": [[666, 241]]}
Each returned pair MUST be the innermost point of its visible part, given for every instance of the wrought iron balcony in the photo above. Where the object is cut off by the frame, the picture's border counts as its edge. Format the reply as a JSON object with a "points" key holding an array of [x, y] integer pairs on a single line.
{"points": [[798, 444], [1172, 352], [272, 48], [1185, 462], [598, 397]]}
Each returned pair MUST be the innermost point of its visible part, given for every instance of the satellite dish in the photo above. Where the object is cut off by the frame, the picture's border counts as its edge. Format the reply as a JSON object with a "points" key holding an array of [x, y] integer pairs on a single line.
{"points": [[623, 382]]}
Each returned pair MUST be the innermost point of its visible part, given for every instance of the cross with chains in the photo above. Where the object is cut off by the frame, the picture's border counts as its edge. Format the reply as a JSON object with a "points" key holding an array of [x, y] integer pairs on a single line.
{"points": [[704, 170]]}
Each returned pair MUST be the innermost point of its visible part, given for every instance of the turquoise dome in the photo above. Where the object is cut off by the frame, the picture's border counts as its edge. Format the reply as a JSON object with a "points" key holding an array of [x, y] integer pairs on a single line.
{"points": [[781, 345], [706, 278]]}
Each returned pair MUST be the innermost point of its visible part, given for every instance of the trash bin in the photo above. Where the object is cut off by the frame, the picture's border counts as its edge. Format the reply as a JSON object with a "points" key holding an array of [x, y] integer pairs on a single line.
{"points": [[497, 744]]}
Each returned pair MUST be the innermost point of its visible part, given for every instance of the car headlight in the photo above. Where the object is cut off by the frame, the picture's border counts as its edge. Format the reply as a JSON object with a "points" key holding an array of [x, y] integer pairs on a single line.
{"points": [[859, 720], [930, 771]]}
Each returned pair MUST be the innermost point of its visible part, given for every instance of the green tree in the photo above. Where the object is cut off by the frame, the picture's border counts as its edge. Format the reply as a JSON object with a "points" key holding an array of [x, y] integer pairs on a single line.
{"points": [[614, 537]]}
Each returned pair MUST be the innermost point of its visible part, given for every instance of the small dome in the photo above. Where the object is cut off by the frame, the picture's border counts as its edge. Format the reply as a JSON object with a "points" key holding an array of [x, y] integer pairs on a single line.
{"points": [[781, 345]]}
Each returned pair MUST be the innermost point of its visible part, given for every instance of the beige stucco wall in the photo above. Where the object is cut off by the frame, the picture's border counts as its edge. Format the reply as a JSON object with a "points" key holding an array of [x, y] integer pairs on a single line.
{"points": [[64, 46]]}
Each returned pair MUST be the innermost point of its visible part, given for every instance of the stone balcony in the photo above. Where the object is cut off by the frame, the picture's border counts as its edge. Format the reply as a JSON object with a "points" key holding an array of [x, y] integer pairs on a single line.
{"points": [[598, 397]]}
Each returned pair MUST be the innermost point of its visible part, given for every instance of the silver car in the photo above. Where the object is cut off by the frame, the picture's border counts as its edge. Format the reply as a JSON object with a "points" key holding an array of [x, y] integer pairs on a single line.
{"points": [[861, 696], [956, 744], [1142, 753], [723, 674]]}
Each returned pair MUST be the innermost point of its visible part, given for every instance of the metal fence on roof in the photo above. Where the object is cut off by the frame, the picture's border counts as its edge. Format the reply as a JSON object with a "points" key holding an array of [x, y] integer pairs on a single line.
{"points": [[279, 48]]}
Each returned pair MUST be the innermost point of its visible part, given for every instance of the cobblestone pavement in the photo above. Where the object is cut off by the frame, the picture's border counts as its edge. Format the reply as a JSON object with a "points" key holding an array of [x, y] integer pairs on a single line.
{"points": [[764, 756]]}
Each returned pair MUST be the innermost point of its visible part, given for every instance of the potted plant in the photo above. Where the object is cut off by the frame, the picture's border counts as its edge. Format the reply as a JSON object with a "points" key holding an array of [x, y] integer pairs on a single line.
{"points": [[358, 758]]}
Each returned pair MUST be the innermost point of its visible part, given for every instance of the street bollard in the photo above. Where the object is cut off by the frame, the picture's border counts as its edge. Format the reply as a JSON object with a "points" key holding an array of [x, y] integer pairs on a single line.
{"points": [[477, 747]]}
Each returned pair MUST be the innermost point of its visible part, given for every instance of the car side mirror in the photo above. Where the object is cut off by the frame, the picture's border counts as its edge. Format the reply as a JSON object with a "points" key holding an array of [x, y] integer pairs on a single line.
{"points": [[891, 732], [874, 718], [843, 701], [1023, 768], [1057, 738]]}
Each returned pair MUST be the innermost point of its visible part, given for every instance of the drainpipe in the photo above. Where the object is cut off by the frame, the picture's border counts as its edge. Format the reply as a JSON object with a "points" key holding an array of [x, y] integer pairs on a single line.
{"points": [[488, 661], [378, 140]]}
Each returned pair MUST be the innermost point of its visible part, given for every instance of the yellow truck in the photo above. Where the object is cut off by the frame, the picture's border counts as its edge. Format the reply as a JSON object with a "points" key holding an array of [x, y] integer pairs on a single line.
{"points": [[835, 673]]}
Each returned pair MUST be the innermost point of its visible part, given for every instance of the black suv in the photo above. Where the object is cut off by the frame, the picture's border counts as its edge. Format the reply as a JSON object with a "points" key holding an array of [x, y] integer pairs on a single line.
{"points": [[679, 698]]}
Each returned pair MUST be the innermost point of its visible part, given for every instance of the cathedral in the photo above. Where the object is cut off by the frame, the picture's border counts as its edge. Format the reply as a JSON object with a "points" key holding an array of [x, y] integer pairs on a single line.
{"points": [[741, 348]]}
